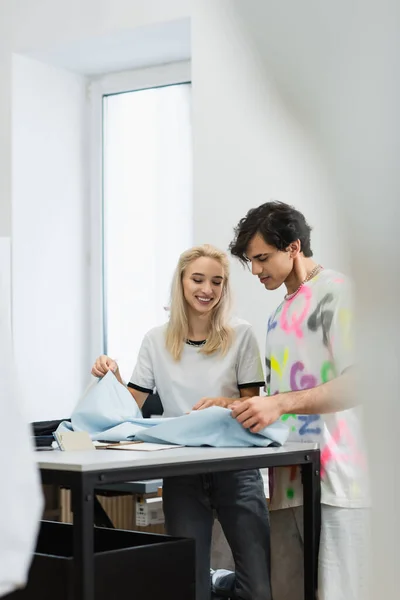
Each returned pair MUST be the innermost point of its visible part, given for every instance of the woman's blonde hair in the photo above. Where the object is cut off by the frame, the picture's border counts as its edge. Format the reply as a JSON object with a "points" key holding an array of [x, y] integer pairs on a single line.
{"points": [[220, 336]]}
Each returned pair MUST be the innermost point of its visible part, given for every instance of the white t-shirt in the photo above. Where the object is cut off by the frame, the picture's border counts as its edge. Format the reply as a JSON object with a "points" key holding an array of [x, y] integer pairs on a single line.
{"points": [[181, 384], [309, 342]]}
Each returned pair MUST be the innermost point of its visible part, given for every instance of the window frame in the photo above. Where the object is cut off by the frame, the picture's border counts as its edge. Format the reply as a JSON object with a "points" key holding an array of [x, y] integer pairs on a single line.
{"points": [[99, 87]]}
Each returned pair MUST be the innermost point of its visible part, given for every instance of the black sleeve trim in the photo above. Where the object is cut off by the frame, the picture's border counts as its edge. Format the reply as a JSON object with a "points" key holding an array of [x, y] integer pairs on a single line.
{"points": [[140, 389], [250, 385]]}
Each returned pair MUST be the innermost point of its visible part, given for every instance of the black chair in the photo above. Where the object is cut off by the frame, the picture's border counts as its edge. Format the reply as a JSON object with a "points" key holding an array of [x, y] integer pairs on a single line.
{"points": [[153, 406], [42, 432]]}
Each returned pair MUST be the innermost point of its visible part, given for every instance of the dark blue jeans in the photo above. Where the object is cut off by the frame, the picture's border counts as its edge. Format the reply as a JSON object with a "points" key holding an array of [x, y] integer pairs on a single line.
{"points": [[238, 500]]}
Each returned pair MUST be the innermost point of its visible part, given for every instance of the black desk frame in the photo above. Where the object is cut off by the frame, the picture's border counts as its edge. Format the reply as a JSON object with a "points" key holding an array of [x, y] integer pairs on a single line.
{"points": [[84, 483]]}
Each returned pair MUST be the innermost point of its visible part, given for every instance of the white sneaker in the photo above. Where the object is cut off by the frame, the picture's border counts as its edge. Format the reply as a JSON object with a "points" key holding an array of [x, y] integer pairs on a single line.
{"points": [[221, 582]]}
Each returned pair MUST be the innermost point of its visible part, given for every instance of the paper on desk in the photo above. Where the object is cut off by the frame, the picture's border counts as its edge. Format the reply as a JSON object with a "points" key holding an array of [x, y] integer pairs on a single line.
{"points": [[143, 446], [105, 445], [101, 444]]}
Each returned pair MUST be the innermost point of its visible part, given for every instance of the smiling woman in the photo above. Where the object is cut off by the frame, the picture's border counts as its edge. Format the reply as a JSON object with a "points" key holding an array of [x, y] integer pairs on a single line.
{"points": [[200, 301], [201, 358], [203, 285]]}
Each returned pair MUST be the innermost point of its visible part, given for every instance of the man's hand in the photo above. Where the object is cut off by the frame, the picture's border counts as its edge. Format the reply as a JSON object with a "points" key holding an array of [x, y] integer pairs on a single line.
{"points": [[207, 402], [257, 412]]}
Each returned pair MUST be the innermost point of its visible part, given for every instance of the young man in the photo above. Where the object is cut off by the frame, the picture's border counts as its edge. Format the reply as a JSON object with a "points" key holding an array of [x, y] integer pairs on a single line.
{"points": [[309, 363]]}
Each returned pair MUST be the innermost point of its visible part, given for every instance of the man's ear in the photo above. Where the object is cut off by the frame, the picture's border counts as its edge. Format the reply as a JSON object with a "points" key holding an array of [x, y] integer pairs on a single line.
{"points": [[294, 249]]}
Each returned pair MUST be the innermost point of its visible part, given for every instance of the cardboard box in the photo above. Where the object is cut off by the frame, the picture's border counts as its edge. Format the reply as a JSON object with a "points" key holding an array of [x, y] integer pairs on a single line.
{"points": [[52, 509], [122, 510], [149, 511]]}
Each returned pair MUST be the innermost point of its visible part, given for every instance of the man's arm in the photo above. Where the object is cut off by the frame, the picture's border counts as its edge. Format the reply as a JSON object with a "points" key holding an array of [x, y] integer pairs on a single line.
{"points": [[333, 396]]}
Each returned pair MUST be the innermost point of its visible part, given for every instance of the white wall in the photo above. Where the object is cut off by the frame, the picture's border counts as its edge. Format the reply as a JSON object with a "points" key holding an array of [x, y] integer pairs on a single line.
{"points": [[50, 238], [5, 164], [45, 23], [50, 199], [248, 146], [248, 149], [5, 124]]}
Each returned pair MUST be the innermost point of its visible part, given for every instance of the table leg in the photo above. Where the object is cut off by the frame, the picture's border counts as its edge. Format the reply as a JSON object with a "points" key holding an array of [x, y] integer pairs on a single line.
{"points": [[82, 494], [312, 523]]}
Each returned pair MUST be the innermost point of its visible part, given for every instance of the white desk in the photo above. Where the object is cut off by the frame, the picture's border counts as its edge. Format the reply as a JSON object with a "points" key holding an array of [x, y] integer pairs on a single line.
{"points": [[83, 472], [99, 460]]}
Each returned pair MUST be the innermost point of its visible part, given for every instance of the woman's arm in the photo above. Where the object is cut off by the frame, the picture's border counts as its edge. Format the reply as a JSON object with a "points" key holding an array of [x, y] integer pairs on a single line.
{"points": [[139, 397], [248, 392]]}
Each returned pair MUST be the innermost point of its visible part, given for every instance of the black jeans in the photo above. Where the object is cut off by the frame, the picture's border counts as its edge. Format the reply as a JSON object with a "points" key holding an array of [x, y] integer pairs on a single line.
{"points": [[239, 501]]}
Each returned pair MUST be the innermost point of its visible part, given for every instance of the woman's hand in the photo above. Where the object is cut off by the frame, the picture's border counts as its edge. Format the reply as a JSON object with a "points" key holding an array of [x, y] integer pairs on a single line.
{"points": [[207, 402], [104, 364]]}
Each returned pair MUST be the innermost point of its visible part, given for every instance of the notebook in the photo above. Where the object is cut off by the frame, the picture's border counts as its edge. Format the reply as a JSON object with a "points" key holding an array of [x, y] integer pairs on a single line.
{"points": [[73, 440]]}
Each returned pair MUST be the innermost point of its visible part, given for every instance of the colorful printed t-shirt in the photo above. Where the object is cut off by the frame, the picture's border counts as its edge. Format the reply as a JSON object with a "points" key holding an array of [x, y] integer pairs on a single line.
{"points": [[309, 342]]}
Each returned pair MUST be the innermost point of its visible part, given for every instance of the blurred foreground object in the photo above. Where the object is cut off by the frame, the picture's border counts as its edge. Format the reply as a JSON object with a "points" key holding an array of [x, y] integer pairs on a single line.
{"points": [[20, 497]]}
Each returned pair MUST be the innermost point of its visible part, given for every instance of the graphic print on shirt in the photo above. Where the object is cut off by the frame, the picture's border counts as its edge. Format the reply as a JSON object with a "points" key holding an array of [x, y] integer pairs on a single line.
{"points": [[272, 321], [333, 449], [299, 381], [345, 319], [273, 363], [290, 493], [279, 365], [328, 371], [293, 325], [269, 362], [309, 343], [268, 372], [322, 317]]}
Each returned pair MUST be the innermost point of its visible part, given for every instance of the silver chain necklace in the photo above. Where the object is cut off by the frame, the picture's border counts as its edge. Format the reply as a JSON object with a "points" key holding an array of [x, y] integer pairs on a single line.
{"points": [[313, 273]]}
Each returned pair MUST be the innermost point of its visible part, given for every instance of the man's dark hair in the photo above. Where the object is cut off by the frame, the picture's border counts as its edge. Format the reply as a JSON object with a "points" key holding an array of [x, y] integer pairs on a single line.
{"points": [[278, 223]]}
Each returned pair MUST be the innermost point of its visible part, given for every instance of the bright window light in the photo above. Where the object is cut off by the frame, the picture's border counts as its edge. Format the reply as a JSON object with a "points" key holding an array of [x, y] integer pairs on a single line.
{"points": [[147, 170]]}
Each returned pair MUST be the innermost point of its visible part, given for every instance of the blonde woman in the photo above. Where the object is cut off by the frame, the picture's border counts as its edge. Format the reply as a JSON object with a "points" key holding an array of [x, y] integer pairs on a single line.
{"points": [[201, 358]]}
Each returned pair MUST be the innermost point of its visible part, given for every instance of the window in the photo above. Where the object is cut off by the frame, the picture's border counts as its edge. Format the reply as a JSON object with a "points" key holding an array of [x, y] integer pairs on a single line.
{"points": [[146, 209]]}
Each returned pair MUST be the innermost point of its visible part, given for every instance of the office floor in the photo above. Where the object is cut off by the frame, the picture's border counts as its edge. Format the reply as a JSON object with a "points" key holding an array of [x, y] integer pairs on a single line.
{"points": [[221, 556]]}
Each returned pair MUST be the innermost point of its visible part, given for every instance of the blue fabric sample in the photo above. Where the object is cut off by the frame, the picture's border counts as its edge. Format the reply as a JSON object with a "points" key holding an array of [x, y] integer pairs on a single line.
{"points": [[107, 411]]}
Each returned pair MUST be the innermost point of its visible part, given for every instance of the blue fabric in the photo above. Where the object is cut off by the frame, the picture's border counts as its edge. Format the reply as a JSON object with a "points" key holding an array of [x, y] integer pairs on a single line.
{"points": [[107, 411]]}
